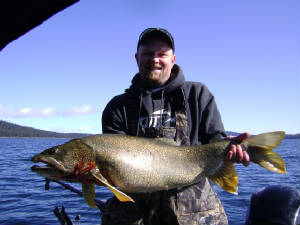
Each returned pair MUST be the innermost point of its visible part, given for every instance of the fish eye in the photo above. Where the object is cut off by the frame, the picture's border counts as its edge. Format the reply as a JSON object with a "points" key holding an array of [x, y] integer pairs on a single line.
{"points": [[53, 151]]}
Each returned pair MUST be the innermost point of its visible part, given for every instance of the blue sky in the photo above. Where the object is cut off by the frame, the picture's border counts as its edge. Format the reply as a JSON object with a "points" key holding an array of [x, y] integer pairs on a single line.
{"points": [[60, 75]]}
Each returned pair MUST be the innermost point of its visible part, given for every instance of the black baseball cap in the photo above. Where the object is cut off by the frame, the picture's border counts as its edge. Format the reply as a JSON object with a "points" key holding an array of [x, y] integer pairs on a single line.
{"points": [[157, 33]]}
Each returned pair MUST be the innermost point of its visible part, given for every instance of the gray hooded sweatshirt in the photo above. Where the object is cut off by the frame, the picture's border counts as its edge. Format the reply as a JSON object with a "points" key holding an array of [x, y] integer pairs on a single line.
{"points": [[156, 113]]}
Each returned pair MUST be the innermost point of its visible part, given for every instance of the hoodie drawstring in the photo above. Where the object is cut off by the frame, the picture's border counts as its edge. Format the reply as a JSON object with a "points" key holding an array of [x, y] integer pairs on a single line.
{"points": [[161, 108], [139, 115]]}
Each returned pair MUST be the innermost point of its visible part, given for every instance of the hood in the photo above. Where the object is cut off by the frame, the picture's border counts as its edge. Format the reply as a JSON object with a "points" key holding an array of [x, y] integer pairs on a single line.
{"points": [[151, 100]]}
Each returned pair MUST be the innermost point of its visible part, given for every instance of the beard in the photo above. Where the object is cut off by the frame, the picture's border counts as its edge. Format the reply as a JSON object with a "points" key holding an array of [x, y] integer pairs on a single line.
{"points": [[153, 78]]}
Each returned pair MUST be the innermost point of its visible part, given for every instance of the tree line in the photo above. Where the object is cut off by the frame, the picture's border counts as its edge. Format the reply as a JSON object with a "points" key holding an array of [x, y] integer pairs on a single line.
{"points": [[13, 130]]}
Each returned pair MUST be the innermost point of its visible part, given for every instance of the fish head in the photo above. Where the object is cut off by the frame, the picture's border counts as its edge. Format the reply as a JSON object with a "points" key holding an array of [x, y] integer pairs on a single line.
{"points": [[71, 161]]}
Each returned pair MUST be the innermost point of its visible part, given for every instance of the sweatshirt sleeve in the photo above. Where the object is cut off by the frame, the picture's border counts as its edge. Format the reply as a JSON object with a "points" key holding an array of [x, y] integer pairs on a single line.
{"points": [[212, 126], [112, 121]]}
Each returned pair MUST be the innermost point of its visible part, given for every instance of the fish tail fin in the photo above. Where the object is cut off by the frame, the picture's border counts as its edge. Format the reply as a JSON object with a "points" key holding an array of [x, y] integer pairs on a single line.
{"points": [[260, 150], [226, 177], [88, 192]]}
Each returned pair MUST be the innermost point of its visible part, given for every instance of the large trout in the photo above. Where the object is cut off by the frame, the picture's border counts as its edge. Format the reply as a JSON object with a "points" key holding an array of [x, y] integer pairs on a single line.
{"points": [[133, 164]]}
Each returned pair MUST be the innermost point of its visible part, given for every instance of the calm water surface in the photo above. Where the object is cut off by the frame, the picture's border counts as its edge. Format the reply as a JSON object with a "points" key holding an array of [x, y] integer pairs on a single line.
{"points": [[24, 199]]}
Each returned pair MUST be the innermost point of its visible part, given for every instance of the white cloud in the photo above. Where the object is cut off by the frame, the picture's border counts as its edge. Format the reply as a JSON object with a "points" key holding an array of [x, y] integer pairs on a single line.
{"points": [[81, 110], [48, 112], [24, 112], [84, 129]]}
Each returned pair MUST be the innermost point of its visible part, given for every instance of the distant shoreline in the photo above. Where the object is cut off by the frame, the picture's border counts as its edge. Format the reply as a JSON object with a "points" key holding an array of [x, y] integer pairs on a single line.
{"points": [[292, 136], [11, 130], [286, 137], [36, 137]]}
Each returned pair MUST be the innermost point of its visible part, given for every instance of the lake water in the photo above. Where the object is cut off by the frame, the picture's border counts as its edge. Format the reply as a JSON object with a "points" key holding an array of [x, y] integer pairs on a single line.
{"points": [[24, 199]]}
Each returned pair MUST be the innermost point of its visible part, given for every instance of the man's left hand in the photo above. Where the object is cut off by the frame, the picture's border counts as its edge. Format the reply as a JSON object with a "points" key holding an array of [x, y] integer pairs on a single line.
{"points": [[236, 153]]}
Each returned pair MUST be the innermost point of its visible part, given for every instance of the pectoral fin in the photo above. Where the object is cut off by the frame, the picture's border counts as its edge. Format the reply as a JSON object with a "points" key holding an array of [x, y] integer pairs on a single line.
{"points": [[120, 195], [88, 192], [226, 178]]}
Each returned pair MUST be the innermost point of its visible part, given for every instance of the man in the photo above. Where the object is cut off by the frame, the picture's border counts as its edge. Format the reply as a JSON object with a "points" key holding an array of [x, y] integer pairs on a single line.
{"points": [[160, 103]]}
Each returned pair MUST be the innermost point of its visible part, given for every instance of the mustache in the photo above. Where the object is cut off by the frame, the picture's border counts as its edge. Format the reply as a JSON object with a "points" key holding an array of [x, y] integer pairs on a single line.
{"points": [[152, 67]]}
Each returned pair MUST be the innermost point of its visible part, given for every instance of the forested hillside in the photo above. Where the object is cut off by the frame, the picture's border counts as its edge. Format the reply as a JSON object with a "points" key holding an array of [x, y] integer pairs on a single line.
{"points": [[13, 130]]}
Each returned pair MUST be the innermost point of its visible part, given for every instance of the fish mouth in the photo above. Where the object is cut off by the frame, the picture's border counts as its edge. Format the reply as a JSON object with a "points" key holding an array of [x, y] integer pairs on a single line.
{"points": [[53, 170], [51, 164], [52, 173]]}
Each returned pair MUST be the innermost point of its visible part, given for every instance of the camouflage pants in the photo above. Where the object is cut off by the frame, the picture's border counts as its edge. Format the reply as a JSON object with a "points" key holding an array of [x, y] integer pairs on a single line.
{"points": [[195, 205]]}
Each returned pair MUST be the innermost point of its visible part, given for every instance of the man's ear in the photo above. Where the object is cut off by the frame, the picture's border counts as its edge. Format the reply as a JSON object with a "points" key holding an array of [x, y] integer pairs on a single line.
{"points": [[174, 59], [136, 57]]}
